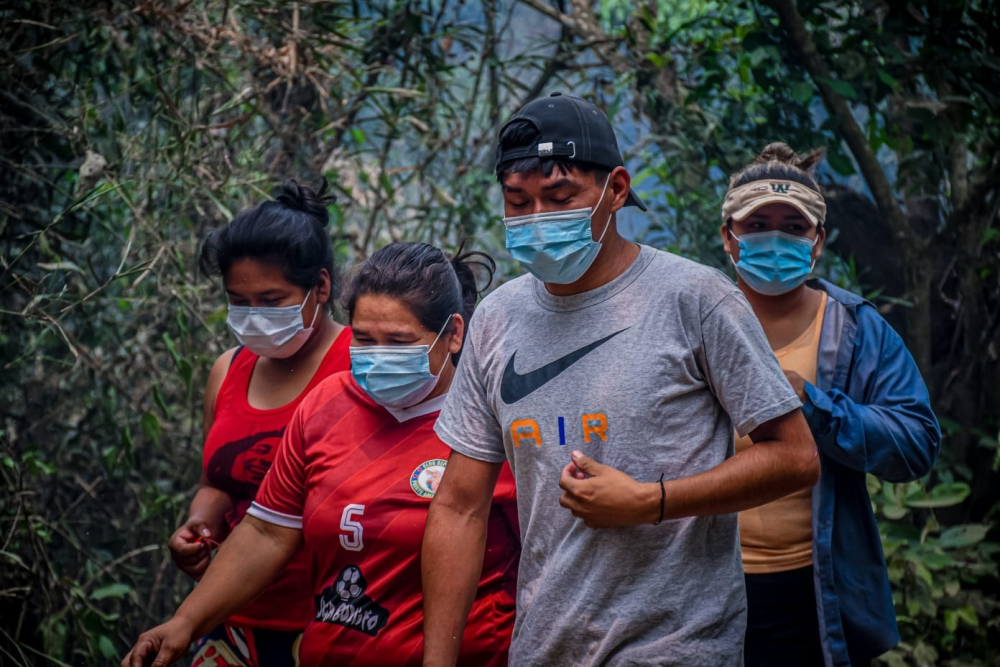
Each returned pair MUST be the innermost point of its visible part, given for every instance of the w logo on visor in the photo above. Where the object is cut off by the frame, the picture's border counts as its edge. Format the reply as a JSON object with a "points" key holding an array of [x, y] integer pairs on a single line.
{"points": [[780, 188]]}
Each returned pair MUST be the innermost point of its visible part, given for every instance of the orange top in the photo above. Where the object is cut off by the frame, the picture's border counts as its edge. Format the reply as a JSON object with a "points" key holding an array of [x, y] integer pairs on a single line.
{"points": [[777, 537]]}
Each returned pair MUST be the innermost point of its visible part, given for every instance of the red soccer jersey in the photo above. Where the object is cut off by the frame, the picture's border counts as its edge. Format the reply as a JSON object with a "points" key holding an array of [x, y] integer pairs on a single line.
{"points": [[358, 480], [239, 449]]}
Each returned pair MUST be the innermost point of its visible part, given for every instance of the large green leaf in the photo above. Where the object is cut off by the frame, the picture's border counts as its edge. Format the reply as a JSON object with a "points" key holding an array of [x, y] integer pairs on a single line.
{"points": [[967, 535], [942, 495], [802, 91]]}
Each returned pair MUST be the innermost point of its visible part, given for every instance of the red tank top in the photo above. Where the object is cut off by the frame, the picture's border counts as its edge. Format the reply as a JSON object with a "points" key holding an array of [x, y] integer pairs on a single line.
{"points": [[239, 449]]}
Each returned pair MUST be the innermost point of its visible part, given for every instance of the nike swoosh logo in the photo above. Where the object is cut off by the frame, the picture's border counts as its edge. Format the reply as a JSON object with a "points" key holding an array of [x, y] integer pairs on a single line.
{"points": [[514, 386]]}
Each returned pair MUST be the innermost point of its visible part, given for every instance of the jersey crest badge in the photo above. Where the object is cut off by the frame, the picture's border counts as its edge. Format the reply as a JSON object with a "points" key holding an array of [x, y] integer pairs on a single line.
{"points": [[427, 476]]}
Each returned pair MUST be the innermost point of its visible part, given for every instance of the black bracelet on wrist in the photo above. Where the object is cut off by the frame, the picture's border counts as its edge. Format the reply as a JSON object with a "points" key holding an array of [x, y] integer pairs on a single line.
{"points": [[663, 499]]}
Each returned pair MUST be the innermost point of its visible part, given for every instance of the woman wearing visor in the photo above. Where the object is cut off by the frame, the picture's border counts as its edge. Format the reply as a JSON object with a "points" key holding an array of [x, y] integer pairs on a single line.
{"points": [[276, 264], [817, 588], [352, 481]]}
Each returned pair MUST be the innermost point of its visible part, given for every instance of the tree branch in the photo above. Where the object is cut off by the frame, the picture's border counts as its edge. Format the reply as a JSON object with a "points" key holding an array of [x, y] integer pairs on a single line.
{"points": [[885, 199], [585, 25], [914, 247], [551, 12]]}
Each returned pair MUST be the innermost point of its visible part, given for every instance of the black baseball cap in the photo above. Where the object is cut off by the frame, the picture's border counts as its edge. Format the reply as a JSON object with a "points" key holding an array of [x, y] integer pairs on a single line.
{"points": [[569, 128]]}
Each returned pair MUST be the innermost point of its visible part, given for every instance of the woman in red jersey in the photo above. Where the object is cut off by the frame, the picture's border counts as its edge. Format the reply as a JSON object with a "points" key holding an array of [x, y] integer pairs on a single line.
{"points": [[276, 263], [353, 479]]}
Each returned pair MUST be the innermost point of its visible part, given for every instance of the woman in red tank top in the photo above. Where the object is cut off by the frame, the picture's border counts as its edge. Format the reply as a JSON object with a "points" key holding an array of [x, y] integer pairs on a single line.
{"points": [[354, 479], [276, 263]]}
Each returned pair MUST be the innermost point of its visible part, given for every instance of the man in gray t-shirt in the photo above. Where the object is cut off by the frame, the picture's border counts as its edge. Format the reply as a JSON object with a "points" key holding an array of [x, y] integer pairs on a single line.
{"points": [[609, 366]]}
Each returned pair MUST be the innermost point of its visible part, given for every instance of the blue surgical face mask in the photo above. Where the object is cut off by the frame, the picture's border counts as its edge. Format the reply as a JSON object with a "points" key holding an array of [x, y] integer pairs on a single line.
{"points": [[396, 376], [556, 247], [774, 263], [277, 333]]}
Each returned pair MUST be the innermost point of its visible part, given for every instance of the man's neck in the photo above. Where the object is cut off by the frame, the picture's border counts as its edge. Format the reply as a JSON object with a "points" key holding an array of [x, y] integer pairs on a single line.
{"points": [[614, 259]]}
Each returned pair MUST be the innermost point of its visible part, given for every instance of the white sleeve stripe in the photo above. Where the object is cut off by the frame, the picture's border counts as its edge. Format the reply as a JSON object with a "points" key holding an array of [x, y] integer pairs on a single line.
{"points": [[277, 518]]}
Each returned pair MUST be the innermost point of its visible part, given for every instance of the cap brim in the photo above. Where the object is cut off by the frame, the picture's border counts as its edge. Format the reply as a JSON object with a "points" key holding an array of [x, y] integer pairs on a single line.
{"points": [[776, 199], [633, 200]]}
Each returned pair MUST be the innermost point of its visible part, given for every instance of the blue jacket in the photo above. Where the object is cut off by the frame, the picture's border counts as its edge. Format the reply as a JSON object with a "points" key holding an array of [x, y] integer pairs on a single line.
{"points": [[869, 413]]}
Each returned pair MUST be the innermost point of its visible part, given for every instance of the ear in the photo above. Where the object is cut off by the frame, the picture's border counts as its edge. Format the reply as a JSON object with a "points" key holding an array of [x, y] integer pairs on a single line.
{"points": [[817, 249], [457, 334], [619, 183], [323, 287], [729, 244]]}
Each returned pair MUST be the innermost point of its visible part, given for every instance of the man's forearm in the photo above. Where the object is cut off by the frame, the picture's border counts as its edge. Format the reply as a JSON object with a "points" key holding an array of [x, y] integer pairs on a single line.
{"points": [[452, 561], [246, 563], [758, 475], [782, 460]]}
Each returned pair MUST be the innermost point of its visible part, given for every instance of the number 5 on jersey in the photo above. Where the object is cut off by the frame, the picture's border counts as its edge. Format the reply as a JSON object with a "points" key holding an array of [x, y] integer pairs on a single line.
{"points": [[350, 524]]}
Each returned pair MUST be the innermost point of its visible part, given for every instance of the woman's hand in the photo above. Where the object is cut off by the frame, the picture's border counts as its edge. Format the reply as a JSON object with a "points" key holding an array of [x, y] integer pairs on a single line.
{"points": [[162, 646], [798, 384], [191, 547]]}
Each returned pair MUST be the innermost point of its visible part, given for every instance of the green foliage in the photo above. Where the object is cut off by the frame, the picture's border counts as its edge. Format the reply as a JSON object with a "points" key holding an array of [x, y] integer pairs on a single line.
{"points": [[944, 579], [132, 130]]}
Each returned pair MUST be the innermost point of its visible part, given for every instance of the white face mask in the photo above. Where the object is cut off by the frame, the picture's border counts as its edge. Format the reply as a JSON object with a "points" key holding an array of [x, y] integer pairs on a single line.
{"points": [[276, 333]]}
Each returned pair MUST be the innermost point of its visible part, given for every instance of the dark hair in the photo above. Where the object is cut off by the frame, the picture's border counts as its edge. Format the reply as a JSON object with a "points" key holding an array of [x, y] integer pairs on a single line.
{"points": [[289, 232], [779, 162], [431, 285], [521, 133]]}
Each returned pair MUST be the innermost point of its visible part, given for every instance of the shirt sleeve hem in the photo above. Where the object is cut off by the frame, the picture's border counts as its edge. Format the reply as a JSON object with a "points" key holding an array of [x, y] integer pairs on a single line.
{"points": [[277, 518], [767, 414], [457, 445]]}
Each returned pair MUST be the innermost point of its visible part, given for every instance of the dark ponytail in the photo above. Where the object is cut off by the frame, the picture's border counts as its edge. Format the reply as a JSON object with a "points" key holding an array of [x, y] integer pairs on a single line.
{"points": [[465, 264], [289, 232], [779, 162], [431, 285]]}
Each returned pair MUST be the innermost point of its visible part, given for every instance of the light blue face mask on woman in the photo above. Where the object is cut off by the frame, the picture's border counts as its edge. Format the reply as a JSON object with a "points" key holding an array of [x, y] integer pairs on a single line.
{"points": [[396, 376], [774, 263], [558, 246]]}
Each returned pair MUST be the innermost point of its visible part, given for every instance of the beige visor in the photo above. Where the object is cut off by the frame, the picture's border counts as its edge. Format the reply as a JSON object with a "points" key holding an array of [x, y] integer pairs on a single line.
{"points": [[744, 200]]}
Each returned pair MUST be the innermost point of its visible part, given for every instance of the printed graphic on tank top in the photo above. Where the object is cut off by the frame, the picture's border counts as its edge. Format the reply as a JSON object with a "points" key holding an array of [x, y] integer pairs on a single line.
{"points": [[239, 450]]}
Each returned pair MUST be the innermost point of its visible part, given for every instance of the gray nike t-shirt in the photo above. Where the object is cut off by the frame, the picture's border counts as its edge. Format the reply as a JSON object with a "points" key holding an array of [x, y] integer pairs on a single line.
{"points": [[649, 374]]}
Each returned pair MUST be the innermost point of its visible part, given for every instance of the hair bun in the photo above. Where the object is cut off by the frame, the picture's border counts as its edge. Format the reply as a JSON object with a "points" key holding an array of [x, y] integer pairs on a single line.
{"points": [[783, 153], [778, 152], [311, 202], [467, 263]]}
